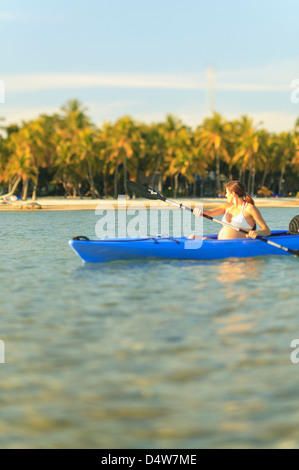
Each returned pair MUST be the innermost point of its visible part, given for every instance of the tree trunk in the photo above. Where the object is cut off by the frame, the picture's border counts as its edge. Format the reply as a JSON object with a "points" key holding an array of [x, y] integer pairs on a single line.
{"points": [[91, 181], [11, 183], [264, 178], [186, 187], [218, 184], [271, 182], [35, 187], [280, 187], [176, 183], [125, 170], [65, 186], [105, 184], [252, 181], [25, 189], [160, 183], [240, 174], [202, 182], [249, 179], [79, 190], [13, 188], [156, 169], [115, 181]]}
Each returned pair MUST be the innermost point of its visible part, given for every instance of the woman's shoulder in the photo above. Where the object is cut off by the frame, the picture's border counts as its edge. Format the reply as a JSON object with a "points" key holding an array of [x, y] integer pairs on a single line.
{"points": [[252, 210]]}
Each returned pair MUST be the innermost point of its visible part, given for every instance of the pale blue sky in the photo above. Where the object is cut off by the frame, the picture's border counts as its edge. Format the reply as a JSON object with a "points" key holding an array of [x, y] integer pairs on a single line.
{"points": [[147, 58]]}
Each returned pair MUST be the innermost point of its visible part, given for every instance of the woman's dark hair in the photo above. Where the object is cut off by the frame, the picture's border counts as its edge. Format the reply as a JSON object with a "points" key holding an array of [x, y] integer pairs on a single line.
{"points": [[240, 190]]}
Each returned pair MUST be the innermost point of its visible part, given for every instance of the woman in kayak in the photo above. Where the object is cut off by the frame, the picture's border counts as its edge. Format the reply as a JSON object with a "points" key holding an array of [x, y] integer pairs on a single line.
{"points": [[239, 211]]}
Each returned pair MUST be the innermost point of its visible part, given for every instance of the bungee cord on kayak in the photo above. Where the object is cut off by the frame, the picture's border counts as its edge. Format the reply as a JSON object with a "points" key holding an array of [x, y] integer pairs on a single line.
{"points": [[127, 240]]}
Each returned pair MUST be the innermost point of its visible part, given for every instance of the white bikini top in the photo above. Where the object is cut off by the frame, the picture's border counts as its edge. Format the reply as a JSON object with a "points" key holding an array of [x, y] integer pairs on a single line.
{"points": [[239, 220]]}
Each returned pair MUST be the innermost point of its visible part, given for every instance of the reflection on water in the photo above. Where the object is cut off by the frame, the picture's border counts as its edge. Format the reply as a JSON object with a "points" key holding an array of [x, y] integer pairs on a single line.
{"points": [[232, 271], [145, 354], [235, 277]]}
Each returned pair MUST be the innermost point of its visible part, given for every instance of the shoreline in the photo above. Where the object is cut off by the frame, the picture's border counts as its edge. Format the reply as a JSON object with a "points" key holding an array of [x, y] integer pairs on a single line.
{"points": [[67, 204]]}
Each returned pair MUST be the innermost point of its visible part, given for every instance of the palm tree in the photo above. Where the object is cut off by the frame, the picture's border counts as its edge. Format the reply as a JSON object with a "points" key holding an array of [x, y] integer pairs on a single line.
{"points": [[247, 145], [295, 159], [74, 116], [179, 153], [20, 166], [154, 151], [285, 152], [71, 138], [122, 143], [215, 134], [66, 164], [265, 154], [87, 152], [68, 146]]}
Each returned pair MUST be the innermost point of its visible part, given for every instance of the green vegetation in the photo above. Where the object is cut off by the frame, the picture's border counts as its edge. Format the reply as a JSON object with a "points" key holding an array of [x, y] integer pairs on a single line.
{"points": [[65, 154]]}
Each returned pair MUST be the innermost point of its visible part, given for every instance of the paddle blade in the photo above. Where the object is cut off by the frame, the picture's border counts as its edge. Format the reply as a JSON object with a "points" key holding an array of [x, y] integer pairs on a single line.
{"points": [[294, 225], [144, 191]]}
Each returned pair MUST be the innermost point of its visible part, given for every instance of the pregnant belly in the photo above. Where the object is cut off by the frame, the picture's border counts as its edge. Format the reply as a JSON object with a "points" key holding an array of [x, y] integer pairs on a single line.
{"points": [[229, 233]]}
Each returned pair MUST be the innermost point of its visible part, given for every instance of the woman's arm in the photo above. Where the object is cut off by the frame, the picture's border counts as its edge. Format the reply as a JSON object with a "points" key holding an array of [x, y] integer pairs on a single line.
{"points": [[211, 212], [255, 213]]}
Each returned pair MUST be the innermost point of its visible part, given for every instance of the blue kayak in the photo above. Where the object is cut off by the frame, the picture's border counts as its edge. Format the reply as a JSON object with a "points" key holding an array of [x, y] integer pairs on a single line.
{"points": [[98, 251]]}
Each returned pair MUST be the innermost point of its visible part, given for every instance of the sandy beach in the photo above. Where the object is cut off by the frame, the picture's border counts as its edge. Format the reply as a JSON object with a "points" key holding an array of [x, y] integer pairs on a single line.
{"points": [[66, 204]]}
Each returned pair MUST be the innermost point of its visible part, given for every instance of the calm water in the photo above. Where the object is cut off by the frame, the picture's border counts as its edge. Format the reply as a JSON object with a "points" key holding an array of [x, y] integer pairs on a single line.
{"points": [[143, 354]]}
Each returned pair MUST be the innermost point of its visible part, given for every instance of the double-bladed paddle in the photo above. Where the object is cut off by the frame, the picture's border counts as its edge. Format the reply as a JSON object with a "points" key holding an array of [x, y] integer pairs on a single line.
{"points": [[148, 193]]}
